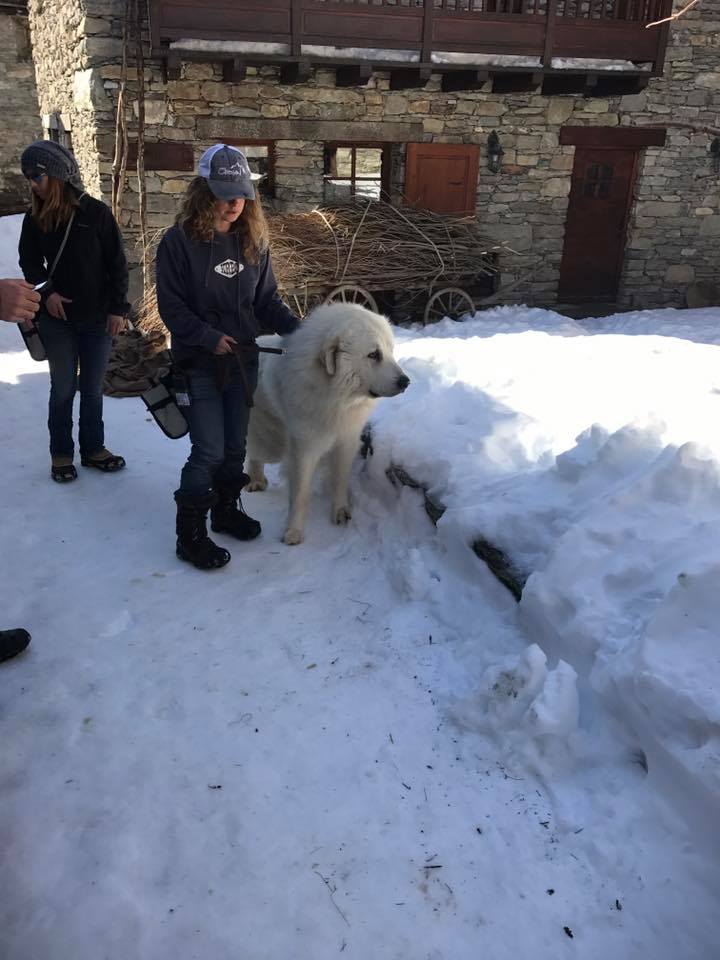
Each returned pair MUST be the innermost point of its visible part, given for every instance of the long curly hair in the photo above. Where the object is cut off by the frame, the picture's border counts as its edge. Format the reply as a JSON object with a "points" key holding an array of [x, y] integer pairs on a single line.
{"points": [[197, 217], [54, 211]]}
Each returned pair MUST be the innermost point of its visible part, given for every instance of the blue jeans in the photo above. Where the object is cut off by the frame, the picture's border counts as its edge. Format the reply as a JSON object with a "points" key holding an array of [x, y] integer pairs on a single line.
{"points": [[218, 420], [67, 348]]}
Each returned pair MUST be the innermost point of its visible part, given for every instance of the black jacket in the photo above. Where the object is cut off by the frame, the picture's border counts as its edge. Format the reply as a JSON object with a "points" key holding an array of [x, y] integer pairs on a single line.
{"points": [[206, 289], [92, 270]]}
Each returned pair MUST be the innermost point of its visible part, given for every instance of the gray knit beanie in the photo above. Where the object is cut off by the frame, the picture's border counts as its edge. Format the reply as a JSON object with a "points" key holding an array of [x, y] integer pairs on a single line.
{"points": [[46, 156]]}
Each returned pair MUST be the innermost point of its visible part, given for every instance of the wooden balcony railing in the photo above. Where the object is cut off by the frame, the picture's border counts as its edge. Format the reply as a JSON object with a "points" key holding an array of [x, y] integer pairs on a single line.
{"points": [[543, 29]]}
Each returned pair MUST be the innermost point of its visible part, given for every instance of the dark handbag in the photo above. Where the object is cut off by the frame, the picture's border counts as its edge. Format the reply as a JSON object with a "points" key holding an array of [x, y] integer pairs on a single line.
{"points": [[162, 401], [28, 330]]}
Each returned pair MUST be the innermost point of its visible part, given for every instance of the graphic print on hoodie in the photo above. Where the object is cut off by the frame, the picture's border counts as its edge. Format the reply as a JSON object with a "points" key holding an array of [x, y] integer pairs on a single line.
{"points": [[225, 246]]}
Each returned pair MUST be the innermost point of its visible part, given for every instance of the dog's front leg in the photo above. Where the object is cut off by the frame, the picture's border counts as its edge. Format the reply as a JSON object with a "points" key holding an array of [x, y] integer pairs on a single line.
{"points": [[301, 469], [256, 472], [343, 456]]}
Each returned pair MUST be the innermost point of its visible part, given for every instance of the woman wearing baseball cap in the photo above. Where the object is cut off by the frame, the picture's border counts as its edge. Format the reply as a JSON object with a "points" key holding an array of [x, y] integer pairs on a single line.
{"points": [[216, 292], [71, 249]]}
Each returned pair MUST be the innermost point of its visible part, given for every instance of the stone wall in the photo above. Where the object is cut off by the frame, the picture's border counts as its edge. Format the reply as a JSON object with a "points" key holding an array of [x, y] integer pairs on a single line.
{"points": [[674, 231], [21, 123], [69, 89], [675, 223]]}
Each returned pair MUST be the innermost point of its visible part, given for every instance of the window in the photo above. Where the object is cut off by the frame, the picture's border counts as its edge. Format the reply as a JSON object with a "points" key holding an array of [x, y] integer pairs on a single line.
{"points": [[356, 170], [55, 129], [261, 160], [598, 177]]}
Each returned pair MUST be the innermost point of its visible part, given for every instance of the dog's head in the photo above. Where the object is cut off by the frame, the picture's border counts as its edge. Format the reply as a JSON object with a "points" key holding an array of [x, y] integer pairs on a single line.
{"points": [[357, 351]]}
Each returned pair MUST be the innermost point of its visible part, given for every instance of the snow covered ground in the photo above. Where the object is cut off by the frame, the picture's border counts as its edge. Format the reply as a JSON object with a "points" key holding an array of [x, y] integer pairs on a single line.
{"points": [[363, 745]]}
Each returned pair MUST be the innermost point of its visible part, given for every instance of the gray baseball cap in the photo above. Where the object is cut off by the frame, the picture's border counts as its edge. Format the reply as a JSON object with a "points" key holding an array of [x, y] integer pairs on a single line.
{"points": [[227, 173]]}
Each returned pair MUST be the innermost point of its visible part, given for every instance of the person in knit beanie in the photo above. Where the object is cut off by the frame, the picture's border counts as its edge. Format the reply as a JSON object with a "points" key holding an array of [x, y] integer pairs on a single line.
{"points": [[71, 250], [54, 160]]}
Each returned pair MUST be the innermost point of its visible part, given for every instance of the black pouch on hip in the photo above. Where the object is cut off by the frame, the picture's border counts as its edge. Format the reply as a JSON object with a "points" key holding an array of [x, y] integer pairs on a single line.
{"points": [[165, 406]]}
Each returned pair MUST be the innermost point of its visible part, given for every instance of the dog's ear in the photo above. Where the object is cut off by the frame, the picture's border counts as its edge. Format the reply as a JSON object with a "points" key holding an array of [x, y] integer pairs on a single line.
{"points": [[329, 355]]}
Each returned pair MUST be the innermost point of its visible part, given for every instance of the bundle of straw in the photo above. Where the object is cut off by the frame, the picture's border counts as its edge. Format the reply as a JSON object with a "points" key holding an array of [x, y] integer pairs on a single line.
{"points": [[378, 246]]}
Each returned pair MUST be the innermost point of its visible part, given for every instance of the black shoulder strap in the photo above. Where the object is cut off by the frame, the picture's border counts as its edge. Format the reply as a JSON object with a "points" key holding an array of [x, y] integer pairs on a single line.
{"points": [[62, 246]]}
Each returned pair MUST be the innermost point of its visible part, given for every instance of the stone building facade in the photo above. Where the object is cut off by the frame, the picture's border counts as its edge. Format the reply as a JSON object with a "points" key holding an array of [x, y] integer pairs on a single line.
{"points": [[673, 231], [21, 123]]}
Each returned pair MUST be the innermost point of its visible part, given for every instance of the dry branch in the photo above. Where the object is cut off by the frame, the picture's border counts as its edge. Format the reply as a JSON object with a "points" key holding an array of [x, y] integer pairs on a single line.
{"points": [[378, 246], [674, 16]]}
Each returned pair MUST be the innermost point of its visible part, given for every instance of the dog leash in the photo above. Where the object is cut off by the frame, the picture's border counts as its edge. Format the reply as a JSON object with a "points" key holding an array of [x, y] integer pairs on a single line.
{"points": [[241, 352]]}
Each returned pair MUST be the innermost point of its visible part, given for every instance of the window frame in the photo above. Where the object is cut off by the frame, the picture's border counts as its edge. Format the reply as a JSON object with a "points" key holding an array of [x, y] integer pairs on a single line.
{"points": [[354, 145]]}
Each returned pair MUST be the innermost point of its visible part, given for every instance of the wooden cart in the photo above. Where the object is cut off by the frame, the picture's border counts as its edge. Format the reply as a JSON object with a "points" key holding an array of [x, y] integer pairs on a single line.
{"points": [[407, 263]]}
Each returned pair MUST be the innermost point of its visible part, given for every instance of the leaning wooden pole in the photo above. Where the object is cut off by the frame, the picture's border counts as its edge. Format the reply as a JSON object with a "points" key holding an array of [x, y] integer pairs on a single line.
{"points": [[119, 168], [142, 189]]}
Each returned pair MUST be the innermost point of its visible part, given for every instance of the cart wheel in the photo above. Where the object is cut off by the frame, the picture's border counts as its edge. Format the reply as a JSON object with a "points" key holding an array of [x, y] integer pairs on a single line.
{"points": [[449, 302], [350, 293]]}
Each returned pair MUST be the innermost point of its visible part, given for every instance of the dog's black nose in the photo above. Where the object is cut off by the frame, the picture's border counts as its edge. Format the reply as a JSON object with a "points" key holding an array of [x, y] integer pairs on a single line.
{"points": [[403, 381]]}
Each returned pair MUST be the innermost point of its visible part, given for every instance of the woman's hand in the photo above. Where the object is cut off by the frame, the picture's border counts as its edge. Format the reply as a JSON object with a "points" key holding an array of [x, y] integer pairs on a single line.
{"points": [[115, 324], [225, 344], [55, 308]]}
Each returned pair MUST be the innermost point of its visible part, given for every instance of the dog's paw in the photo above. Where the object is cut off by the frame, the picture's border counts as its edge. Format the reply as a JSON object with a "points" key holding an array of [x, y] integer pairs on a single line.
{"points": [[341, 515], [256, 485], [292, 536]]}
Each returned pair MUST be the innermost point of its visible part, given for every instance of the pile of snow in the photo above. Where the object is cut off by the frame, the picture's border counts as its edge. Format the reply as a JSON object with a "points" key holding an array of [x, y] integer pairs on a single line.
{"points": [[230, 46], [359, 53], [587, 63], [590, 454], [521, 694], [484, 59], [307, 50], [334, 52]]}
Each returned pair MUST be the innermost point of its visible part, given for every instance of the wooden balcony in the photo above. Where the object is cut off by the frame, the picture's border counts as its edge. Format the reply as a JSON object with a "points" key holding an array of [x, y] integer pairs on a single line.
{"points": [[423, 36]]}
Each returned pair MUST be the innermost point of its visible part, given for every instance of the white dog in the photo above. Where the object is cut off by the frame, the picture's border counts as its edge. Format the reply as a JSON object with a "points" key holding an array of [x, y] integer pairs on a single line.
{"points": [[316, 398]]}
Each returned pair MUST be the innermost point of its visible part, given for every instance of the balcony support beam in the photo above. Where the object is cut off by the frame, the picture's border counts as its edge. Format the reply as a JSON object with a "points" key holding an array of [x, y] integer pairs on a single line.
{"points": [[297, 72], [407, 78], [353, 75], [516, 82], [234, 71], [173, 64], [464, 80], [591, 82]]}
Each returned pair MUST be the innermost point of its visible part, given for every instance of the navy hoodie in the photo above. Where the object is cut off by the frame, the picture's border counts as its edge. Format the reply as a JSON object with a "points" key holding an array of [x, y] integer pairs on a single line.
{"points": [[206, 289]]}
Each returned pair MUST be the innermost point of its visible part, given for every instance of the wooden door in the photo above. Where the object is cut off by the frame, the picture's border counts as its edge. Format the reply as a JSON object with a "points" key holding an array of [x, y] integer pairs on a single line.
{"points": [[600, 199], [442, 177]]}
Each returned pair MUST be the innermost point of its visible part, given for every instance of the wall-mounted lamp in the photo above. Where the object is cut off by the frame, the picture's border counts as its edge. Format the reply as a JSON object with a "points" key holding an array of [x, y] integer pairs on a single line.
{"points": [[495, 152], [715, 153]]}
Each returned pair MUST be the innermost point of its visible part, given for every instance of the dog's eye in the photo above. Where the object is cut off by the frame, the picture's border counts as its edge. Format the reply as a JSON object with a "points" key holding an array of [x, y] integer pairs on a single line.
{"points": [[375, 355]]}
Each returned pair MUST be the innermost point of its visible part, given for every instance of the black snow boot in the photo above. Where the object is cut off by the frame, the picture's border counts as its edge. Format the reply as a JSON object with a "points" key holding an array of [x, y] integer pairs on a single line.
{"points": [[228, 516], [13, 642], [193, 543]]}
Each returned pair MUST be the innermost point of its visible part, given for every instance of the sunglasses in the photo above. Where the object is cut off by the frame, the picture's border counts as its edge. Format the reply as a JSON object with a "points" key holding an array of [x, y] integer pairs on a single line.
{"points": [[36, 176]]}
